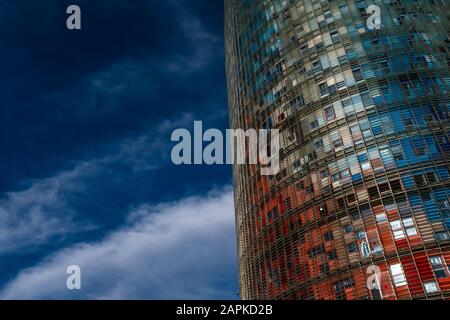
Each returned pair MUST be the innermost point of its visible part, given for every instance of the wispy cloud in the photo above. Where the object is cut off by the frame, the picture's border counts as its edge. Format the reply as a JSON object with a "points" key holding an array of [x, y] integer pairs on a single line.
{"points": [[34, 216], [206, 46], [42, 212], [151, 148], [181, 250]]}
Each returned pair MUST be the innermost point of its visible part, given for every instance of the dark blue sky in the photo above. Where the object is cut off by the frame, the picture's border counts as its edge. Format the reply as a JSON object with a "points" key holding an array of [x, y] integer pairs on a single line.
{"points": [[85, 124]]}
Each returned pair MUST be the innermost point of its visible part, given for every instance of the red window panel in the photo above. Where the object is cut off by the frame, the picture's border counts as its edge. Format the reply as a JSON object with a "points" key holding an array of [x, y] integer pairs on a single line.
{"points": [[403, 292], [360, 284], [271, 235], [444, 284], [415, 241], [386, 283], [424, 267], [285, 228], [281, 204], [350, 293], [326, 292], [412, 275], [446, 256], [263, 219], [305, 274], [265, 184], [402, 244], [387, 240]]}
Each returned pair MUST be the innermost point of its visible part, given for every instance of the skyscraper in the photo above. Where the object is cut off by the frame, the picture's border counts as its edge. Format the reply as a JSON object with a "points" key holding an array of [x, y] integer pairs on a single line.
{"points": [[360, 208]]}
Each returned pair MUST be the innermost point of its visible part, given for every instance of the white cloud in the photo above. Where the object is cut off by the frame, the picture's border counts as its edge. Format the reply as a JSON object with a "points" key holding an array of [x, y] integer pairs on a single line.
{"points": [[38, 214], [181, 250]]}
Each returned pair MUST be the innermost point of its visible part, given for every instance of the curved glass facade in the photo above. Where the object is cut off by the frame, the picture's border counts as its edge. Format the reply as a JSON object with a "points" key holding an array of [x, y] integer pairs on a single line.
{"points": [[364, 185]]}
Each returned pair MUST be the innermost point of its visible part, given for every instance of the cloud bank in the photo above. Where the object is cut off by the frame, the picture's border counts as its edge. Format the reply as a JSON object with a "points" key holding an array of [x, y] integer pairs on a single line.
{"points": [[180, 250]]}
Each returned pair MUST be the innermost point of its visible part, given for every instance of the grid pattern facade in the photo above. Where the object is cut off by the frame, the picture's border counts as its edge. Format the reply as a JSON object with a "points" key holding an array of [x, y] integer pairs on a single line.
{"points": [[363, 118]]}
